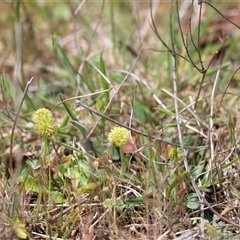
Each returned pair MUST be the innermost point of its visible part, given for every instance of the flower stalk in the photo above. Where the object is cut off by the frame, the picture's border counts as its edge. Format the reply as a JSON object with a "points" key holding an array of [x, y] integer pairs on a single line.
{"points": [[119, 137]]}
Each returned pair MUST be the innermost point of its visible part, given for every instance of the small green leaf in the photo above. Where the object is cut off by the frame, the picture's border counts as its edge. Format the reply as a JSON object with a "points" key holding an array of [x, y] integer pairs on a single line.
{"points": [[57, 197], [86, 188], [207, 181], [118, 204], [64, 121], [197, 170], [192, 201], [87, 83], [69, 110], [65, 60], [103, 70], [30, 185], [79, 126], [74, 120], [135, 201], [166, 112], [188, 140], [105, 84], [140, 111], [108, 202]]}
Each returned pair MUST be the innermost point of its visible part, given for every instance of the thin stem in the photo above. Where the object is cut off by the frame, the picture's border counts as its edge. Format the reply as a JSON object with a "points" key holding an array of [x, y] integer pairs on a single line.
{"points": [[124, 163], [48, 188], [45, 151], [9, 163], [200, 2]]}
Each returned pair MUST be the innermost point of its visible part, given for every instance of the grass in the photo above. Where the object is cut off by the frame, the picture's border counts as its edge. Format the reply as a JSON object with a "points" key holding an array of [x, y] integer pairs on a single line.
{"points": [[98, 65]]}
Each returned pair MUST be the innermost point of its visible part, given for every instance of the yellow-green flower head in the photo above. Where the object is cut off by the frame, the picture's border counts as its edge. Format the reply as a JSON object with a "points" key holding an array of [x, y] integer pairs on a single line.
{"points": [[45, 125], [174, 154], [119, 136]]}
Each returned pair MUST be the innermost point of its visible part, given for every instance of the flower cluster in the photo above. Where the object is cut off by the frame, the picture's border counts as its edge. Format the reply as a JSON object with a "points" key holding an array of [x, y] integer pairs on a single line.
{"points": [[45, 125], [174, 154], [119, 136]]}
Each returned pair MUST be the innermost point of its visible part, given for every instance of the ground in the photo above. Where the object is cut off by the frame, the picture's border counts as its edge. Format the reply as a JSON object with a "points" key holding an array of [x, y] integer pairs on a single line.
{"points": [[119, 120]]}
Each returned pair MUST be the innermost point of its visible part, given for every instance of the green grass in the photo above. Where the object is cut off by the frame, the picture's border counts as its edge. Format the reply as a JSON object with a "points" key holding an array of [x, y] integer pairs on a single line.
{"points": [[178, 176]]}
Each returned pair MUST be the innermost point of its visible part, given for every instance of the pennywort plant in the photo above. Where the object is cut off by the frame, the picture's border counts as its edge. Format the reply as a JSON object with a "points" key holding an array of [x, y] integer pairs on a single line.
{"points": [[44, 123], [45, 126], [119, 137]]}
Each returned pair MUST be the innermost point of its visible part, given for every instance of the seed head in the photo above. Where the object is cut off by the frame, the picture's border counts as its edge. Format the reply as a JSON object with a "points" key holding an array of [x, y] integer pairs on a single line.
{"points": [[45, 125], [174, 154], [119, 136]]}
